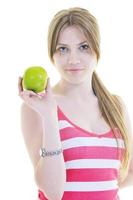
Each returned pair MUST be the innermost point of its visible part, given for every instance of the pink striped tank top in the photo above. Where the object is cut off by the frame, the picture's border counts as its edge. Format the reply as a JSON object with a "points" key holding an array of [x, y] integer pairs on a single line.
{"points": [[92, 162]]}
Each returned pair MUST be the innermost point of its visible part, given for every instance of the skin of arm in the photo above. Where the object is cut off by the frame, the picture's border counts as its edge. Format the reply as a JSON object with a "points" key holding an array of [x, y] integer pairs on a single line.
{"points": [[129, 179], [49, 172]]}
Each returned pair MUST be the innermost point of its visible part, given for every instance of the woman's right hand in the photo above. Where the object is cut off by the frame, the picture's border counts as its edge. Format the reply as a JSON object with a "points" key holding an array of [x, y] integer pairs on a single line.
{"points": [[44, 103]]}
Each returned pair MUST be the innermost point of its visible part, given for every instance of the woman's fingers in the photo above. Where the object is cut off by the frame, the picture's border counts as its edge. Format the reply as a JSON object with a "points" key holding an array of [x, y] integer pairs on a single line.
{"points": [[48, 87], [30, 96], [30, 93], [20, 87], [24, 92]]}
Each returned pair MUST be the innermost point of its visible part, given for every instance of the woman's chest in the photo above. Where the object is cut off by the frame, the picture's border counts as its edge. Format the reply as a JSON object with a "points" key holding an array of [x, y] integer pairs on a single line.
{"points": [[83, 115]]}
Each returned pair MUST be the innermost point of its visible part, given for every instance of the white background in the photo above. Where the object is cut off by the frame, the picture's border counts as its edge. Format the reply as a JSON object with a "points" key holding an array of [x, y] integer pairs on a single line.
{"points": [[23, 42]]}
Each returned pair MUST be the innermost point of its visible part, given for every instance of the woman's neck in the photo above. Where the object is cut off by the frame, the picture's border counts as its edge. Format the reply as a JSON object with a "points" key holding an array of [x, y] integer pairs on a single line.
{"points": [[76, 92]]}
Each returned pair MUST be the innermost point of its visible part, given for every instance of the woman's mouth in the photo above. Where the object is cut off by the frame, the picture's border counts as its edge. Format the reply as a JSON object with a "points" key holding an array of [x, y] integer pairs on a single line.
{"points": [[75, 70]]}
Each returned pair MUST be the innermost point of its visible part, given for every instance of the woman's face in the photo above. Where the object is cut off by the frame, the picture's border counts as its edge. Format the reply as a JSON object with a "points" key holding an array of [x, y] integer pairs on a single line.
{"points": [[73, 53]]}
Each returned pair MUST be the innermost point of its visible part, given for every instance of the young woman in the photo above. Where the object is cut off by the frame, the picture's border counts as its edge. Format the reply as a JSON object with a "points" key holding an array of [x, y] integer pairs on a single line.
{"points": [[82, 130]]}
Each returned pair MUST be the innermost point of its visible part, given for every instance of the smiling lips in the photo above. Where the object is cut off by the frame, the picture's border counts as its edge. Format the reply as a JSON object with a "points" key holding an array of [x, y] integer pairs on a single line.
{"points": [[75, 69]]}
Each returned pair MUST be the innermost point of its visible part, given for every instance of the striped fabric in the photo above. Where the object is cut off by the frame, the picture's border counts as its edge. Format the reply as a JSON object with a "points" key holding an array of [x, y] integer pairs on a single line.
{"points": [[92, 162]]}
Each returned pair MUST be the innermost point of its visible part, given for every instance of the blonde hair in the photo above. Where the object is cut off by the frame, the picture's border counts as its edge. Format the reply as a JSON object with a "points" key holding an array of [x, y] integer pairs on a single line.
{"points": [[109, 104]]}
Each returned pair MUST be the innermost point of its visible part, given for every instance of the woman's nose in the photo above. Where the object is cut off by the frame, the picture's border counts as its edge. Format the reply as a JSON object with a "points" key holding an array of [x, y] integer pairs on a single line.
{"points": [[73, 58]]}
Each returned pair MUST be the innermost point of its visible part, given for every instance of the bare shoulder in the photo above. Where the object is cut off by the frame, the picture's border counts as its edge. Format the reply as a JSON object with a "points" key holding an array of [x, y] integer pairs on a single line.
{"points": [[121, 102], [31, 126], [125, 112], [129, 128]]}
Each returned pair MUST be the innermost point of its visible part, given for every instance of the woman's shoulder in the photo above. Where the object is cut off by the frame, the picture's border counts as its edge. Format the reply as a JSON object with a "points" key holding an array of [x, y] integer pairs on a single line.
{"points": [[122, 103], [126, 114]]}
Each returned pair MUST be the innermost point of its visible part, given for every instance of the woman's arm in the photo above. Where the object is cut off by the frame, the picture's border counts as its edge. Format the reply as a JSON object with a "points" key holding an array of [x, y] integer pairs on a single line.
{"points": [[129, 179], [49, 172]]}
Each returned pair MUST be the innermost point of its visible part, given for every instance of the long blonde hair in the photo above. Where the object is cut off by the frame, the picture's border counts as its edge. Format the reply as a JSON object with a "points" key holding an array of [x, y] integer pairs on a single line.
{"points": [[109, 104]]}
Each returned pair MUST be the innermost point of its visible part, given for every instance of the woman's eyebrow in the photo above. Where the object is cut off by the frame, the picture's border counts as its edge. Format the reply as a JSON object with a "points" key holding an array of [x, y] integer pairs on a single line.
{"points": [[68, 45]]}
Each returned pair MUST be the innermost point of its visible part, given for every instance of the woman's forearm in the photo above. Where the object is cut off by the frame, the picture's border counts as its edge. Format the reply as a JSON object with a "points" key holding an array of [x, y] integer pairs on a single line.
{"points": [[50, 172], [127, 182]]}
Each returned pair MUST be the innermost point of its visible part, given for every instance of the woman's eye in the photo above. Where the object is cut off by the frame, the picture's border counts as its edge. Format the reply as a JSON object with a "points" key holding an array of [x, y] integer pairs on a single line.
{"points": [[62, 49], [84, 47]]}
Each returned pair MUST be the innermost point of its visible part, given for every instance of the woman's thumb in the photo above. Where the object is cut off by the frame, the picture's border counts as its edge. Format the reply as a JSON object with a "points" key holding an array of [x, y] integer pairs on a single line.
{"points": [[48, 87]]}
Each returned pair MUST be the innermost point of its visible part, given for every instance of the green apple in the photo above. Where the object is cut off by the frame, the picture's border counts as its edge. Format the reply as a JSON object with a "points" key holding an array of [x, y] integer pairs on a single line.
{"points": [[35, 79]]}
